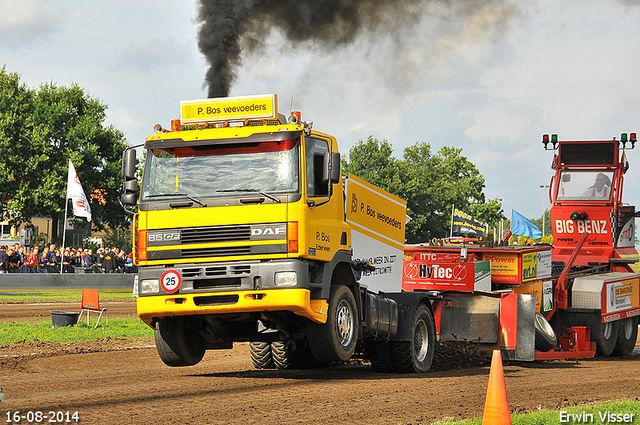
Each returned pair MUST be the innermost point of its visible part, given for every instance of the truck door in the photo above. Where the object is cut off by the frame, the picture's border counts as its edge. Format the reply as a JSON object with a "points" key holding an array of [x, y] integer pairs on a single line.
{"points": [[324, 223]]}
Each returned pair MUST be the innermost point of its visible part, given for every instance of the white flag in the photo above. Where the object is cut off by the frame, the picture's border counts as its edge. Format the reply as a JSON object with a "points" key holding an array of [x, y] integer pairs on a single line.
{"points": [[81, 206]]}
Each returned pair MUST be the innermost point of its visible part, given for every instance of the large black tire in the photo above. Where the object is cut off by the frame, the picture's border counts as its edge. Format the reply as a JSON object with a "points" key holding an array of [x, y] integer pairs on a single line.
{"points": [[605, 338], [416, 355], [335, 340], [178, 342], [261, 356], [379, 354], [627, 336], [283, 354], [545, 336]]}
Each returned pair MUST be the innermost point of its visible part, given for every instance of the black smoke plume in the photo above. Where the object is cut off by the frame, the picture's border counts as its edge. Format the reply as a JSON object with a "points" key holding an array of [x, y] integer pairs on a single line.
{"points": [[228, 25]]}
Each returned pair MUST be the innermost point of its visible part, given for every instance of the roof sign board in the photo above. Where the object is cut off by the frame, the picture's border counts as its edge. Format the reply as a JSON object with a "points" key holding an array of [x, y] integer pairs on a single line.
{"points": [[229, 108]]}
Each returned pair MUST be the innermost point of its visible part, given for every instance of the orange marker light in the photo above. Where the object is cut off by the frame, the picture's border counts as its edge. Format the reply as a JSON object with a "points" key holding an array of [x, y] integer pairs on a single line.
{"points": [[142, 245], [292, 237]]}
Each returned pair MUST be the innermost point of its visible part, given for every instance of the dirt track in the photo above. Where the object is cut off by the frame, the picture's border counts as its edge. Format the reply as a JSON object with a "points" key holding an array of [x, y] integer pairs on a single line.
{"points": [[124, 381]]}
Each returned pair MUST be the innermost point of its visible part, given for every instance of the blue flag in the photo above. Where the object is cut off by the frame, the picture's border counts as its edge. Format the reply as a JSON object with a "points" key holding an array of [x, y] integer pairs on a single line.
{"points": [[521, 226]]}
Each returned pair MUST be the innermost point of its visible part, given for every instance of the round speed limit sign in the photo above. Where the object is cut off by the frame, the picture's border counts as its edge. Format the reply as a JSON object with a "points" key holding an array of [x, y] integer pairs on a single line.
{"points": [[170, 281]]}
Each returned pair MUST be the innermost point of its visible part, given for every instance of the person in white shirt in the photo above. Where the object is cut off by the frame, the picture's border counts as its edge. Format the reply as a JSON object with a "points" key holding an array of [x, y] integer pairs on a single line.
{"points": [[601, 188]]}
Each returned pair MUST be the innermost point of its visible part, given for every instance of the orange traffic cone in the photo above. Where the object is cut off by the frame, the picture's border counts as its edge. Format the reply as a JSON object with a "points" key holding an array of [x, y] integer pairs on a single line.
{"points": [[496, 406]]}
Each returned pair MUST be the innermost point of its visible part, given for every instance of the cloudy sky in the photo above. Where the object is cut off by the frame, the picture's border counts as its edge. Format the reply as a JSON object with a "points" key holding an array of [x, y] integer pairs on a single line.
{"points": [[489, 77]]}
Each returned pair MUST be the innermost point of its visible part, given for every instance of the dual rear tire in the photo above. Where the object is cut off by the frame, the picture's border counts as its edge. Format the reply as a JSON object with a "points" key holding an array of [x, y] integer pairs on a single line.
{"points": [[414, 356], [335, 340], [273, 355]]}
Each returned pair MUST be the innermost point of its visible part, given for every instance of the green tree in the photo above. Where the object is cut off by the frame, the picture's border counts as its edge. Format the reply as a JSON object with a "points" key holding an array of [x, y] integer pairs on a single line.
{"points": [[373, 161], [40, 130], [430, 183], [16, 130]]}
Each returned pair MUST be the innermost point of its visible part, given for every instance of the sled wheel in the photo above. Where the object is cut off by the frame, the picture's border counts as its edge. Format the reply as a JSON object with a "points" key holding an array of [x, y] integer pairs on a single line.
{"points": [[627, 336], [545, 336], [605, 338]]}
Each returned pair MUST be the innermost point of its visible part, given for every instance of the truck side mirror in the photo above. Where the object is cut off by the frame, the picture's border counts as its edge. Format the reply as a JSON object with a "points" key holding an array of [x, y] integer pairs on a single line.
{"points": [[130, 185], [129, 198], [331, 168], [129, 164]]}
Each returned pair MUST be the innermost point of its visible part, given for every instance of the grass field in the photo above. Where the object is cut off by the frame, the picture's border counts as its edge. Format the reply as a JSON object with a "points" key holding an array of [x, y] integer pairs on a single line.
{"points": [[612, 412], [10, 333]]}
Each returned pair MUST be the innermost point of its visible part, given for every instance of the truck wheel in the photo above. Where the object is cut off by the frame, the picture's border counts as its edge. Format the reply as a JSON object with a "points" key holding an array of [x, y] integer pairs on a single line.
{"points": [[261, 356], [335, 340], [379, 354], [178, 343], [605, 338], [545, 336], [627, 336], [283, 354], [416, 355]]}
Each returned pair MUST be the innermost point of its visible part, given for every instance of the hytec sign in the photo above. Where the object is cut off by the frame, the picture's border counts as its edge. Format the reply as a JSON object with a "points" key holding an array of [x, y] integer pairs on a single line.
{"points": [[466, 276], [513, 265]]}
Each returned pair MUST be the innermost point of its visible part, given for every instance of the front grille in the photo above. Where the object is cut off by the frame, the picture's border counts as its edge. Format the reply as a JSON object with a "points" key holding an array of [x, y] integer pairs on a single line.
{"points": [[215, 234], [213, 271], [216, 252], [213, 300], [226, 282]]}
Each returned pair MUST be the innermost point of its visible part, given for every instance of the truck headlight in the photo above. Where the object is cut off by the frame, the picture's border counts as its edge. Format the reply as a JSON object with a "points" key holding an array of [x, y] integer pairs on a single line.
{"points": [[286, 279], [149, 286]]}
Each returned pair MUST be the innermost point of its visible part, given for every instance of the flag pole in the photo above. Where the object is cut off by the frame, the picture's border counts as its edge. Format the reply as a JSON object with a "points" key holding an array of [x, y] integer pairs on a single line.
{"points": [[64, 231], [451, 231], [64, 225]]}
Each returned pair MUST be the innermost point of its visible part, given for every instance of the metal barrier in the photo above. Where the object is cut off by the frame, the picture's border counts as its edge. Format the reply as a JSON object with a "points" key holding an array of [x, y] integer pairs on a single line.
{"points": [[51, 281]]}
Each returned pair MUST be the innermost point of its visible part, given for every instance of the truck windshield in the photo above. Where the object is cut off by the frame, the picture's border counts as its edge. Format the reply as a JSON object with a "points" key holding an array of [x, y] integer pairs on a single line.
{"points": [[584, 185], [217, 171]]}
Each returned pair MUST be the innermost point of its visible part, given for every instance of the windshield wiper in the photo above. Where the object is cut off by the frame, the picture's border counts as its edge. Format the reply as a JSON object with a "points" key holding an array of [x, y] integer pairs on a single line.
{"points": [[191, 198], [273, 198]]}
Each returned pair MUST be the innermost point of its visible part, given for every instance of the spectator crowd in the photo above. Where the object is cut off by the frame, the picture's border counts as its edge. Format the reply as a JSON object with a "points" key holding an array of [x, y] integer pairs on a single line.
{"points": [[18, 259]]}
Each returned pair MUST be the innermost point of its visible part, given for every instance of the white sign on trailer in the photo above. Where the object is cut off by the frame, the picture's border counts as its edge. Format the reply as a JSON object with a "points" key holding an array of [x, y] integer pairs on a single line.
{"points": [[377, 219]]}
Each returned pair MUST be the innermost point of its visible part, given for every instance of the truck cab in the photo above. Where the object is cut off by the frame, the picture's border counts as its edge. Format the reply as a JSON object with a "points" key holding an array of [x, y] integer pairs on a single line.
{"points": [[594, 246], [242, 234], [586, 196]]}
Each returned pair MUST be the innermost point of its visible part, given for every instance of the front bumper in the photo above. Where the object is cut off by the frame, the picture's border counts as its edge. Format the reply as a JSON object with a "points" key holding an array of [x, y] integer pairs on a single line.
{"points": [[296, 300]]}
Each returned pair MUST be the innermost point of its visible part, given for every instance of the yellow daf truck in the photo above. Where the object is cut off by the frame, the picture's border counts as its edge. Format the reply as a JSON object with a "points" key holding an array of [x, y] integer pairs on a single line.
{"points": [[246, 232]]}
